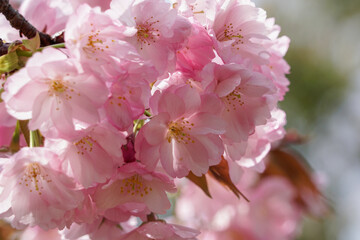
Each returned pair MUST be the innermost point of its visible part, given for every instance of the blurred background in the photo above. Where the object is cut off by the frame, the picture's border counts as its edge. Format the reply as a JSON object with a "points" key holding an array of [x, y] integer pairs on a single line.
{"points": [[324, 103]]}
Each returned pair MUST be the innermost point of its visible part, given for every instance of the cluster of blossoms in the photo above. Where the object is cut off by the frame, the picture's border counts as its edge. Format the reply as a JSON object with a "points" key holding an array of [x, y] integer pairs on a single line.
{"points": [[144, 93]]}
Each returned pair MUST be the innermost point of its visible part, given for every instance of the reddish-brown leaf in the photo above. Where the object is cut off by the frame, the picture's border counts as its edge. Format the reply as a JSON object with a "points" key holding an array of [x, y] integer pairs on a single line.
{"points": [[200, 181], [221, 173], [290, 165]]}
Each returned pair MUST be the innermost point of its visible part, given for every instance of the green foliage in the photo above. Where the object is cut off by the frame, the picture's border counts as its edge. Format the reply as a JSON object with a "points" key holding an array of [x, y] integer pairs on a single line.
{"points": [[316, 89], [344, 8], [9, 62], [18, 54]]}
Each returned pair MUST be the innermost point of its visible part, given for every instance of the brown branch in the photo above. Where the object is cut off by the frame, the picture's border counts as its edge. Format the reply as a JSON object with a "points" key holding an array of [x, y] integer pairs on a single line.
{"points": [[18, 22], [5, 46]]}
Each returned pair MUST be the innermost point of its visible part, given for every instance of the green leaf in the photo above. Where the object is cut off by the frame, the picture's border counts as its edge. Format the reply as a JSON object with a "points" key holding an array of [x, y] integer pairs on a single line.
{"points": [[32, 44], [9, 62]]}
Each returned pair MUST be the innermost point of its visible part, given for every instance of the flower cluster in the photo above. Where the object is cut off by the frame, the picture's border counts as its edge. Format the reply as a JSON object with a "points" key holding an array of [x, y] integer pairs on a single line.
{"points": [[144, 92]]}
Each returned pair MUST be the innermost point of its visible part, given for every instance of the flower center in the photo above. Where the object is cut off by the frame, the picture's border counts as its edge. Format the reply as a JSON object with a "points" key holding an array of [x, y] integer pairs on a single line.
{"points": [[135, 185], [233, 100], [61, 90], [58, 86], [32, 177], [195, 10], [117, 100], [230, 33], [147, 33], [179, 131], [85, 144], [95, 43]]}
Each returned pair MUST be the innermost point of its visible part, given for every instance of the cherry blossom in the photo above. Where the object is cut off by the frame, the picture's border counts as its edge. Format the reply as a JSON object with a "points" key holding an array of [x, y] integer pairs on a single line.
{"points": [[161, 230], [197, 52], [225, 217], [160, 31], [100, 229], [273, 210], [35, 192], [37, 233], [54, 16], [53, 94], [93, 156], [238, 27], [277, 67], [202, 11], [103, 4], [134, 184], [259, 143], [130, 93], [140, 95], [183, 134], [243, 93], [93, 38]]}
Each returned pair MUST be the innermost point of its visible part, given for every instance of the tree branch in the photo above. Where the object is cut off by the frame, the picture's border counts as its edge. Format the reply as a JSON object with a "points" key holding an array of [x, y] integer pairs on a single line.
{"points": [[4, 46], [18, 22]]}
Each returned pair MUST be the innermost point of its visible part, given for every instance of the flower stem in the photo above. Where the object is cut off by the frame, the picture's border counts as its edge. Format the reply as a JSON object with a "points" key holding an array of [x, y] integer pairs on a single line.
{"points": [[35, 138], [147, 113], [137, 125], [25, 130], [58, 45], [15, 141]]}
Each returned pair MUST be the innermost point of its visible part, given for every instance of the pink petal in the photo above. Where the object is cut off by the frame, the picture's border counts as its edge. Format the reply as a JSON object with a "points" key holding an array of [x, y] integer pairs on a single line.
{"points": [[155, 130]]}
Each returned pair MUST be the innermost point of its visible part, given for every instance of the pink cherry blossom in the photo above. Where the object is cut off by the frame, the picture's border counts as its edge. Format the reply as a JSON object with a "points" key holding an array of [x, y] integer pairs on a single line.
{"points": [[93, 156], [160, 31], [103, 229], [184, 134], [36, 233], [104, 4], [80, 231], [107, 230], [7, 127], [86, 212], [6, 134], [53, 17], [239, 28], [277, 66], [35, 192], [273, 214], [8, 33], [228, 234], [202, 11], [259, 143], [244, 95], [127, 103], [198, 51], [93, 38], [161, 231], [6, 120], [145, 91], [194, 208], [54, 94], [134, 186], [130, 93]]}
